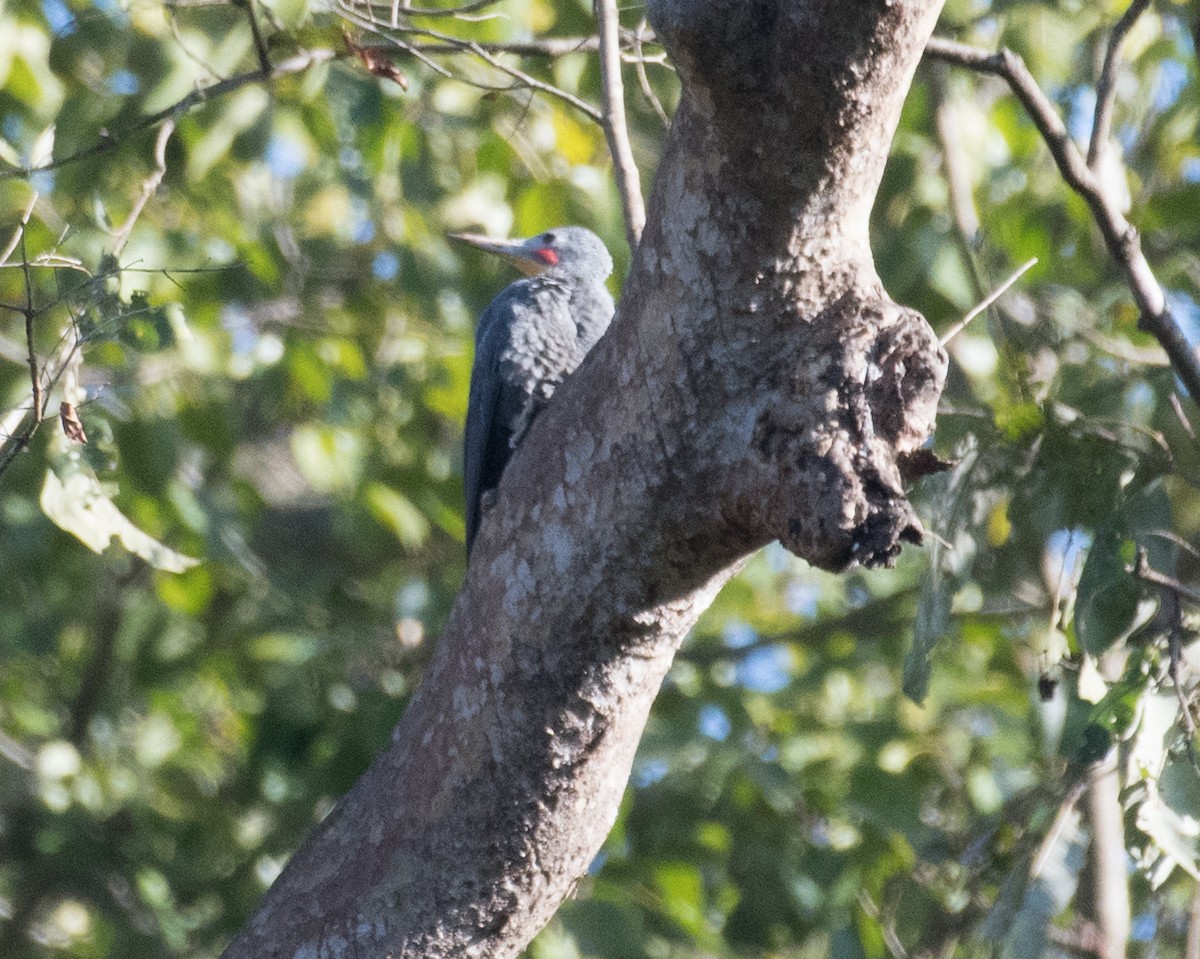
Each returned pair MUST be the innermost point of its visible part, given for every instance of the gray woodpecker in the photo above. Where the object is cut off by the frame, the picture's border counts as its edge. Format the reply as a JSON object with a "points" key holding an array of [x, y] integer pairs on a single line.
{"points": [[529, 339]]}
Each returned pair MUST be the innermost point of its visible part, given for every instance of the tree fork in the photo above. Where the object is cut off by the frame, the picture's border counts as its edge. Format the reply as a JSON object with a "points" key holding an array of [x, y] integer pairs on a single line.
{"points": [[757, 383]]}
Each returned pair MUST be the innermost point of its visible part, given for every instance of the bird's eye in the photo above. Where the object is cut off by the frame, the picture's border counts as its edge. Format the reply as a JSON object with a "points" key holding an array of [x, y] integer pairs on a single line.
{"points": [[548, 238]]}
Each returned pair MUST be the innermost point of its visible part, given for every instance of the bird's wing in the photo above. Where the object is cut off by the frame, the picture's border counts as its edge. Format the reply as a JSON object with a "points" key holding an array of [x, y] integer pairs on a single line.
{"points": [[525, 346], [539, 355], [478, 443]]}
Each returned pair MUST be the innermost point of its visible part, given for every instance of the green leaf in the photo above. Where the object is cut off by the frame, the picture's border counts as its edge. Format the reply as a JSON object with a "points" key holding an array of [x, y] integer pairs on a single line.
{"points": [[76, 503], [1107, 599]]}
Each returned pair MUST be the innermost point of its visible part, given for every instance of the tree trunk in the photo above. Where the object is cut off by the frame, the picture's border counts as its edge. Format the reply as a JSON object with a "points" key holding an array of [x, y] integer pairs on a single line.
{"points": [[757, 383]]}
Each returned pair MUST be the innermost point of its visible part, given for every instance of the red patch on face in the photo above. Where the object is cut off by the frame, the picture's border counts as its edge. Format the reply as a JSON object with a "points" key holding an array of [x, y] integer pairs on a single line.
{"points": [[547, 256]]}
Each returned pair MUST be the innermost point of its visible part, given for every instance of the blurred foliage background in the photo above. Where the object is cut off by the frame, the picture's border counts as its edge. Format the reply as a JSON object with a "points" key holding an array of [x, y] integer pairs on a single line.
{"points": [[268, 341]]}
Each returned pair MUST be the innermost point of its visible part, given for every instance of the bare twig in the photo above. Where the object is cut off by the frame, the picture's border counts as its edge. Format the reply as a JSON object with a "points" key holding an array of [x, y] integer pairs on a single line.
{"points": [[1143, 571], [30, 314], [964, 214], [15, 753], [349, 10], [149, 186], [292, 65], [958, 176], [18, 425], [1182, 417], [20, 230], [401, 6], [260, 45], [1106, 86], [1172, 591], [550, 47], [988, 301], [581, 105], [1066, 810], [616, 130], [1119, 236], [639, 66]]}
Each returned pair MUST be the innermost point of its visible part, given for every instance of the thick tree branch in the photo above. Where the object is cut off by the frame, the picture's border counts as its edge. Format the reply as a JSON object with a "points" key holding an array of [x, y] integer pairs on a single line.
{"points": [[757, 383], [616, 130], [1119, 236]]}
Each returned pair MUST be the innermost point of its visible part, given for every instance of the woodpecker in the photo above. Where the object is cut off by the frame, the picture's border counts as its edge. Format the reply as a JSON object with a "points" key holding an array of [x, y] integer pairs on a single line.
{"points": [[529, 339]]}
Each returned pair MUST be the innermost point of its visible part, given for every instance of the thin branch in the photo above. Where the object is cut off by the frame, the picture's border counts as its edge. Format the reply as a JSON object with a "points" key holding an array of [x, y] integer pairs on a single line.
{"points": [[149, 186], [1143, 571], [988, 301], [401, 6], [15, 753], [1062, 818], [550, 47], [1172, 591], [639, 65], [352, 12], [373, 26], [616, 129], [260, 45], [20, 230], [1182, 417], [30, 314], [1110, 883], [964, 214], [292, 65], [581, 105], [18, 426], [1106, 86], [1119, 236], [1175, 638]]}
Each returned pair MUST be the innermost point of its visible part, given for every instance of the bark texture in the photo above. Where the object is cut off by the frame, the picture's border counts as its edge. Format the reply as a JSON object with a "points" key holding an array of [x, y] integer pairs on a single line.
{"points": [[757, 383]]}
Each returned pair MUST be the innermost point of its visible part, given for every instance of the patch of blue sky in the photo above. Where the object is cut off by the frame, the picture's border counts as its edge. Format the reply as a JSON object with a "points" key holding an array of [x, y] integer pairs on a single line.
{"points": [[1185, 310], [647, 772], [765, 670], [1189, 170], [1063, 549], [738, 634], [59, 17], [363, 230], [1171, 81], [801, 598], [362, 227], [112, 8], [286, 156], [778, 558], [243, 335], [1081, 108], [42, 182], [124, 83], [411, 599], [385, 266], [1144, 927], [713, 722]]}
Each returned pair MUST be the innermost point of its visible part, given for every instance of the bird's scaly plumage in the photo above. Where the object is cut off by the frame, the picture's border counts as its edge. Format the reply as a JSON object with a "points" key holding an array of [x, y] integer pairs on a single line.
{"points": [[531, 337]]}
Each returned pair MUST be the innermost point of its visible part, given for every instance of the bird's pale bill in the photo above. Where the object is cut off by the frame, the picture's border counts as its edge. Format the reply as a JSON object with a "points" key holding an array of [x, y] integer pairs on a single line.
{"points": [[531, 257]]}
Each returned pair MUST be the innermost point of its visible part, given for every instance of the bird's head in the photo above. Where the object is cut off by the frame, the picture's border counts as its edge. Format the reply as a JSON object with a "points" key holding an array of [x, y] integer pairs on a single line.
{"points": [[572, 250]]}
